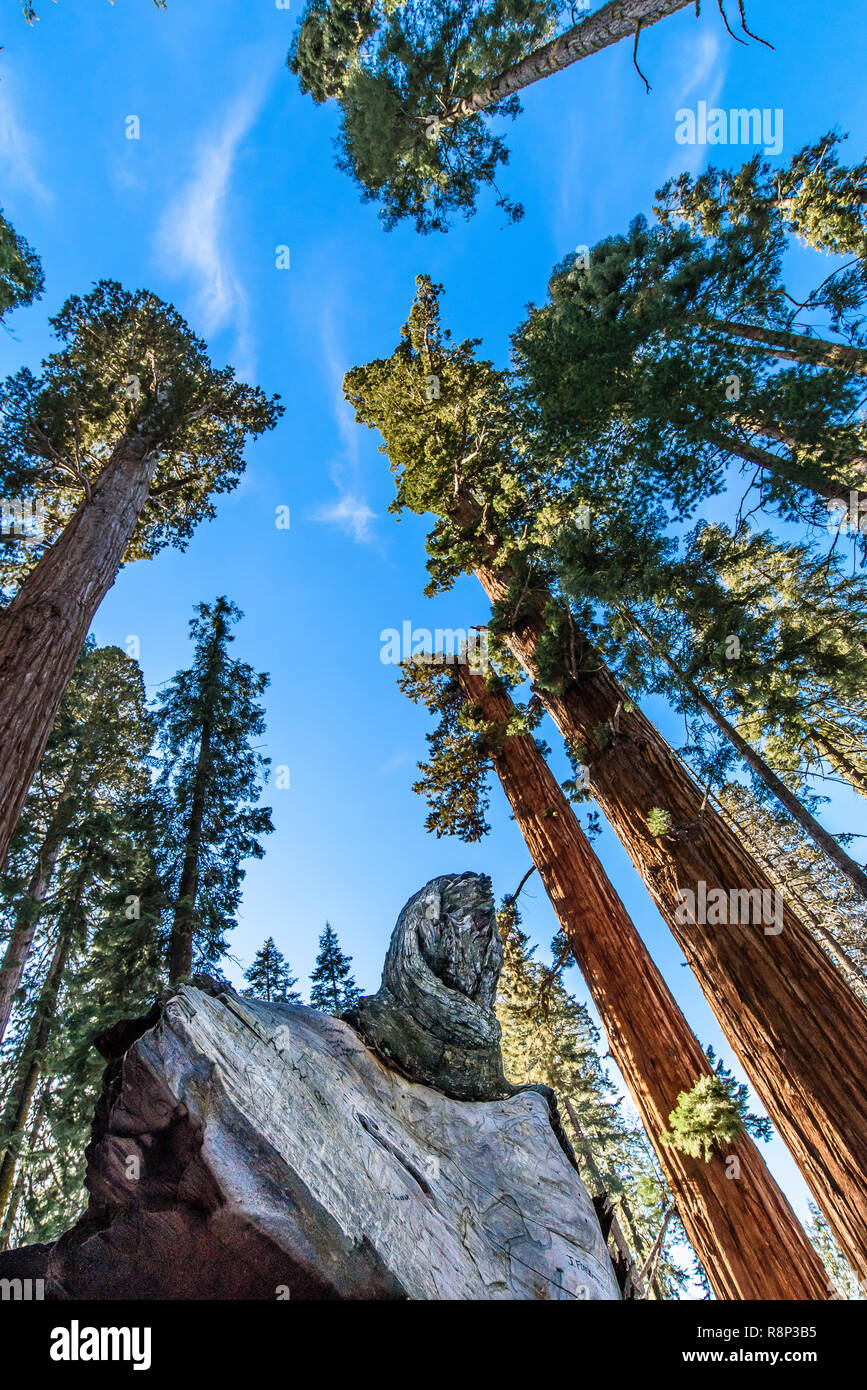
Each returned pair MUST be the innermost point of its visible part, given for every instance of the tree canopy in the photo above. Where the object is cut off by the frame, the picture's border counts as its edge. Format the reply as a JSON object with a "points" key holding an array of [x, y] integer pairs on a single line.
{"points": [[21, 277], [128, 366], [419, 82]]}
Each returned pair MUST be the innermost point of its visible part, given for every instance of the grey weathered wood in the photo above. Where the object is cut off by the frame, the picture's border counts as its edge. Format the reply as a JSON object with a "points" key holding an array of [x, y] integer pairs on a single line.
{"points": [[433, 1016], [253, 1150]]}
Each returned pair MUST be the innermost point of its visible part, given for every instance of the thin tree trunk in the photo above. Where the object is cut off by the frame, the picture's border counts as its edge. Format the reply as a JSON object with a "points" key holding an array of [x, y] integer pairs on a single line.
{"points": [[840, 761], [652, 1263], [23, 933], [44, 627], [799, 813], [27, 916], [637, 1240], [30, 1066], [779, 467], [795, 1026], [796, 347], [619, 19], [743, 1229], [584, 1151], [181, 952], [18, 1189], [853, 972]]}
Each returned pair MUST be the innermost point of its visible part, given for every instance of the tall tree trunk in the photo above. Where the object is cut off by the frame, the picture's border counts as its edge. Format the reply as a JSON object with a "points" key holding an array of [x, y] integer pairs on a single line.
{"points": [[29, 1070], [651, 1264], [796, 347], [841, 762], [853, 972], [18, 1189], [797, 1029], [181, 952], [584, 1153], [619, 19], [44, 627], [799, 813], [779, 467], [27, 915], [743, 1229]]}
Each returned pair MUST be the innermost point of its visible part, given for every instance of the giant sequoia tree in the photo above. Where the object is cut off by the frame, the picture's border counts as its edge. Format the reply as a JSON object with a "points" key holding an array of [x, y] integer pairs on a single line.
{"points": [[457, 449], [208, 720], [416, 83], [128, 432], [743, 1231]]}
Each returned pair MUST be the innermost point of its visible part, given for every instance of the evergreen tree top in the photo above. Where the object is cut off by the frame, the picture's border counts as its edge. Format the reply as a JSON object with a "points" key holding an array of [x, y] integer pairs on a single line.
{"points": [[672, 342], [208, 718], [21, 277], [269, 976], [333, 989], [397, 71], [129, 367]]}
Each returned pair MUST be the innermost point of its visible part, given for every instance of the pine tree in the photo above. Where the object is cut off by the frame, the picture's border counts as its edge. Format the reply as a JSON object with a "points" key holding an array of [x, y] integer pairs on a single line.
{"points": [[94, 762], [461, 452], [815, 199], [269, 976], [21, 278], [777, 638], [334, 989], [208, 718], [128, 432], [416, 84], [30, 1059], [841, 1279], [113, 967], [757, 764], [98, 959], [649, 1039], [835, 912]]}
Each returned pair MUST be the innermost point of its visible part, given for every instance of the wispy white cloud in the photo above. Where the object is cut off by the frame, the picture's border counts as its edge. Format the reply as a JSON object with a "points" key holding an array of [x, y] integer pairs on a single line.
{"points": [[351, 514], [706, 61], [397, 761], [18, 150], [193, 236]]}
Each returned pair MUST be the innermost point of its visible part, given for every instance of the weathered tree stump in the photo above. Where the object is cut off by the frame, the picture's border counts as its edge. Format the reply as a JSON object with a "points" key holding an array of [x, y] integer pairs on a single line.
{"points": [[251, 1150]]}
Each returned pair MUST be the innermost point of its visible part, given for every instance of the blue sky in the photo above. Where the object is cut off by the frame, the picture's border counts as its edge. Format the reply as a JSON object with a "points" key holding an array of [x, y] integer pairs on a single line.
{"points": [[232, 163]]}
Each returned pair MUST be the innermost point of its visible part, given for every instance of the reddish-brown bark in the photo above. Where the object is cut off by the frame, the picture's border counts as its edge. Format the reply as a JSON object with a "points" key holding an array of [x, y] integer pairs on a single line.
{"points": [[742, 1228], [44, 627], [798, 1030]]}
